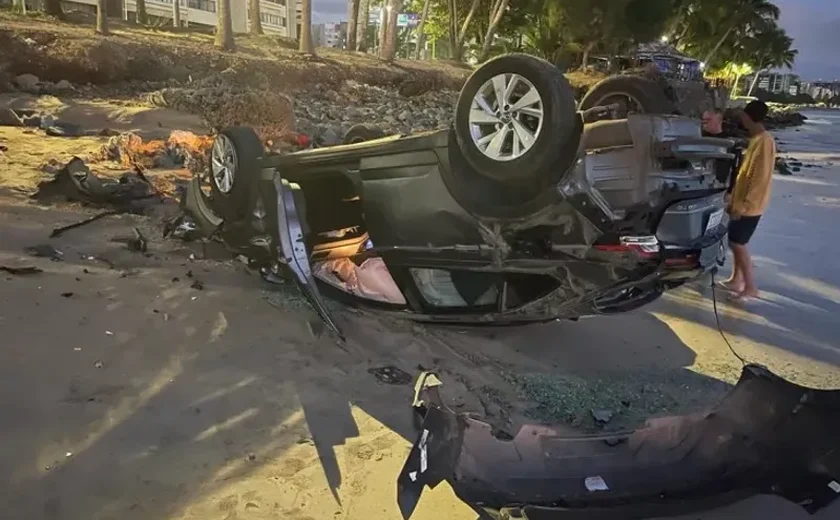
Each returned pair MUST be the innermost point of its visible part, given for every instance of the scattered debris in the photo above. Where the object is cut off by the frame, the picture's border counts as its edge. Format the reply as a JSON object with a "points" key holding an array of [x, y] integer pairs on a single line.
{"points": [[67, 294], [175, 279], [197, 285], [181, 227], [602, 416], [98, 364], [390, 375], [252, 457], [45, 251], [109, 333], [8, 117], [76, 183], [60, 230], [21, 270], [137, 242]]}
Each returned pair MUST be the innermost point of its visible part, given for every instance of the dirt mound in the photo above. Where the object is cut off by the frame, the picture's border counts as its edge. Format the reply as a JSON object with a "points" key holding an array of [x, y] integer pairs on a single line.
{"points": [[54, 51]]}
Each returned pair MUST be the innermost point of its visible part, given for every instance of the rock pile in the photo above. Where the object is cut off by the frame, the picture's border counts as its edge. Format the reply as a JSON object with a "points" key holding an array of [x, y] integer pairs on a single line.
{"points": [[326, 114]]}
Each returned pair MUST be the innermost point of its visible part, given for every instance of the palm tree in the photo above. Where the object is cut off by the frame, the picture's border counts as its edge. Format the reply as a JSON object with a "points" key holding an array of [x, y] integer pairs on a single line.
{"points": [[740, 15], [306, 28], [224, 26], [102, 16], [352, 25], [773, 48], [254, 20], [52, 8]]}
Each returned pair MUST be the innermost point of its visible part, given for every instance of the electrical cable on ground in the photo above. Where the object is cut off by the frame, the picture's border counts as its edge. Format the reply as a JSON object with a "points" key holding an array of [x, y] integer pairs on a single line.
{"points": [[719, 327]]}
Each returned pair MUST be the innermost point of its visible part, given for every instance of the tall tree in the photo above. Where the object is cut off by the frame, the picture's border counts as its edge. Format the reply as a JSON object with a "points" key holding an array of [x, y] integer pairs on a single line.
{"points": [[389, 47], [224, 26], [496, 13], [306, 28], [421, 28], [142, 17], [52, 8], [457, 38], [362, 25], [102, 16], [383, 26], [773, 49], [176, 14], [255, 27], [352, 24]]}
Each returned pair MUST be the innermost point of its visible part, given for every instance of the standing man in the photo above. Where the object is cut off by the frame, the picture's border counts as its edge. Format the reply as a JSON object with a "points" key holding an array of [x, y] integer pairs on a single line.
{"points": [[749, 199]]}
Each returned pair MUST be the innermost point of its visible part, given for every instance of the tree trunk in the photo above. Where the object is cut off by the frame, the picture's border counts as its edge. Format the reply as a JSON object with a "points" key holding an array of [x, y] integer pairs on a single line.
{"points": [[723, 38], [352, 25], [453, 27], [254, 20], [458, 51], [389, 49], [383, 27], [499, 8], [361, 25], [306, 28], [102, 16], [142, 18], [51, 7], [755, 78], [224, 26], [584, 62], [421, 36], [176, 14]]}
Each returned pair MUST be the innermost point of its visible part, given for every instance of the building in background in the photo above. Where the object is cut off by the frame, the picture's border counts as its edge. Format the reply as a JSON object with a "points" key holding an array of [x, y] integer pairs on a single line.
{"points": [[775, 82], [329, 34], [277, 17], [821, 90]]}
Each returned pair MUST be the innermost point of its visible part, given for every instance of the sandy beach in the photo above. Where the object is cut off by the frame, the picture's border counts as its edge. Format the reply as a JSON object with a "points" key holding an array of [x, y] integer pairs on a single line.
{"points": [[128, 393]]}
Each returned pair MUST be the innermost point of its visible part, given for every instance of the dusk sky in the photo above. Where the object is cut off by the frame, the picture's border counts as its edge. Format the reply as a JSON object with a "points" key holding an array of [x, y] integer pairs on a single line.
{"points": [[813, 24]]}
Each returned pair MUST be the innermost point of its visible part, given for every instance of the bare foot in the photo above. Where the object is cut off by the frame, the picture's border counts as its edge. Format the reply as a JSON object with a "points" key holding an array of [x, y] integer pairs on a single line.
{"points": [[745, 295], [732, 285]]}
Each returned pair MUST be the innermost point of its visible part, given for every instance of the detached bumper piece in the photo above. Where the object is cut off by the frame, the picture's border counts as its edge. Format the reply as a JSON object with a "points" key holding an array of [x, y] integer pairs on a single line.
{"points": [[768, 436]]}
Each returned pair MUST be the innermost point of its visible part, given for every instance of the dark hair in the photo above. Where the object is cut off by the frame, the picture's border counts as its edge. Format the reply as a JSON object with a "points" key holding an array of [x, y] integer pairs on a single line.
{"points": [[756, 110]]}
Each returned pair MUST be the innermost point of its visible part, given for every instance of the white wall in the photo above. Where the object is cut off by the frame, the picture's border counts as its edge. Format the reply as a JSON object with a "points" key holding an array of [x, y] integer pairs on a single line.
{"points": [[239, 13]]}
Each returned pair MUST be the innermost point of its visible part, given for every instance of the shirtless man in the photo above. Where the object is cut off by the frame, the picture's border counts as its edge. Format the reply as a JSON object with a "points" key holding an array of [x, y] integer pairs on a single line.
{"points": [[749, 199]]}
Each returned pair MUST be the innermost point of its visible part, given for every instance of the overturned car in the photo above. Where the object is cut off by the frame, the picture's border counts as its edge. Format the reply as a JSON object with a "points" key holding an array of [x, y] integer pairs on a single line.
{"points": [[519, 212], [768, 436]]}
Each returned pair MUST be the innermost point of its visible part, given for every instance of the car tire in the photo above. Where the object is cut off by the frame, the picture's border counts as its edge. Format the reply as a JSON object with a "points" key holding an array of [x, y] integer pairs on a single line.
{"points": [[234, 170], [362, 132], [543, 127], [649, 96]]}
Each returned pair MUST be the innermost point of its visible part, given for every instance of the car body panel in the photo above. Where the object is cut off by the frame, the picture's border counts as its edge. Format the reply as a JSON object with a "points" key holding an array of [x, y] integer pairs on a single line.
{"points": [[767, 436]]}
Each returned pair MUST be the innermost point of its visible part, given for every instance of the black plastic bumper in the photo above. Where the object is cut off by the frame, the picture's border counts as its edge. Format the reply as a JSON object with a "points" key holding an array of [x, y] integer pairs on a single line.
{"points": [[768, 436]]}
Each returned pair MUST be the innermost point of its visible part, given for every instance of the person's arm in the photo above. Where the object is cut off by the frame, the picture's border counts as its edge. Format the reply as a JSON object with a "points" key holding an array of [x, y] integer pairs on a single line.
{"points": [[753, 183]]}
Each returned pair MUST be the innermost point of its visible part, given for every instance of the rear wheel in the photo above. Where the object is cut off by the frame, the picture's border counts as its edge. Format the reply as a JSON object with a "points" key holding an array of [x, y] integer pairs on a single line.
{"points": [[632, 94], [514, 117], [362, 132], [234, 169]]}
